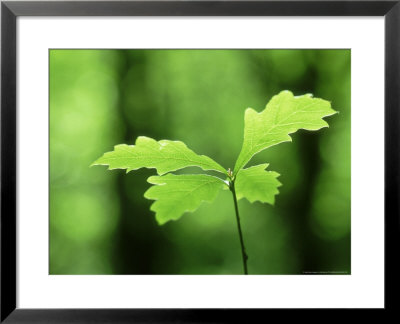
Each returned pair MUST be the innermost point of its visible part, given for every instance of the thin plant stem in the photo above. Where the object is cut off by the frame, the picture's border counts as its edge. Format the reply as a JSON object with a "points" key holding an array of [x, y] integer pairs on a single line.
{"points": [[244, 255]]}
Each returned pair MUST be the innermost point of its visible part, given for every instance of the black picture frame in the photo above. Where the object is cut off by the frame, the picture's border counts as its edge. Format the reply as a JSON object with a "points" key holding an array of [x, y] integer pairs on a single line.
{"points": [[10, 10]]}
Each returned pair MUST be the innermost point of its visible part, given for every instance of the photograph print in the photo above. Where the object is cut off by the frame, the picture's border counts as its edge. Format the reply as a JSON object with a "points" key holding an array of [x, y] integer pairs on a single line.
{"points": [[200, 162]]}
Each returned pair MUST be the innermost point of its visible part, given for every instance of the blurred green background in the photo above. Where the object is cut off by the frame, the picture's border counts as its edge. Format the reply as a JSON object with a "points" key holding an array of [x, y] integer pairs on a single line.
{"points": [[100, 223]]}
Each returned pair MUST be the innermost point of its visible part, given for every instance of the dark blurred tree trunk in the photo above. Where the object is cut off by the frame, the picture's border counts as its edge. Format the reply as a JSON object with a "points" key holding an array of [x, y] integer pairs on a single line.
{"points": [[137, 236], [316, 252], [302, 200], [299, 203]]}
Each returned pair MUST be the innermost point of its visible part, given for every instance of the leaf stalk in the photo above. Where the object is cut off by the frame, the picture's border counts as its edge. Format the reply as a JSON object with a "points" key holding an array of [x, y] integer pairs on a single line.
{"points": [[244, 255]]}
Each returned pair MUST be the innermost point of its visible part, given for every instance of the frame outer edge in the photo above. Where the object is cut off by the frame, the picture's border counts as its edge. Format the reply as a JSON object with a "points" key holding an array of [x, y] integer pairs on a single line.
{"points": [[8, 162], [392, 154], [202, 8], [8, 167]]}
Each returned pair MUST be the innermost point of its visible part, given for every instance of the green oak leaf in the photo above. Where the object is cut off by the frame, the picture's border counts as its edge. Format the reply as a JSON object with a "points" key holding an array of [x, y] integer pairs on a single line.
{"points": [[176, 194], [164, 155], [283, 115], [255, 183]]}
